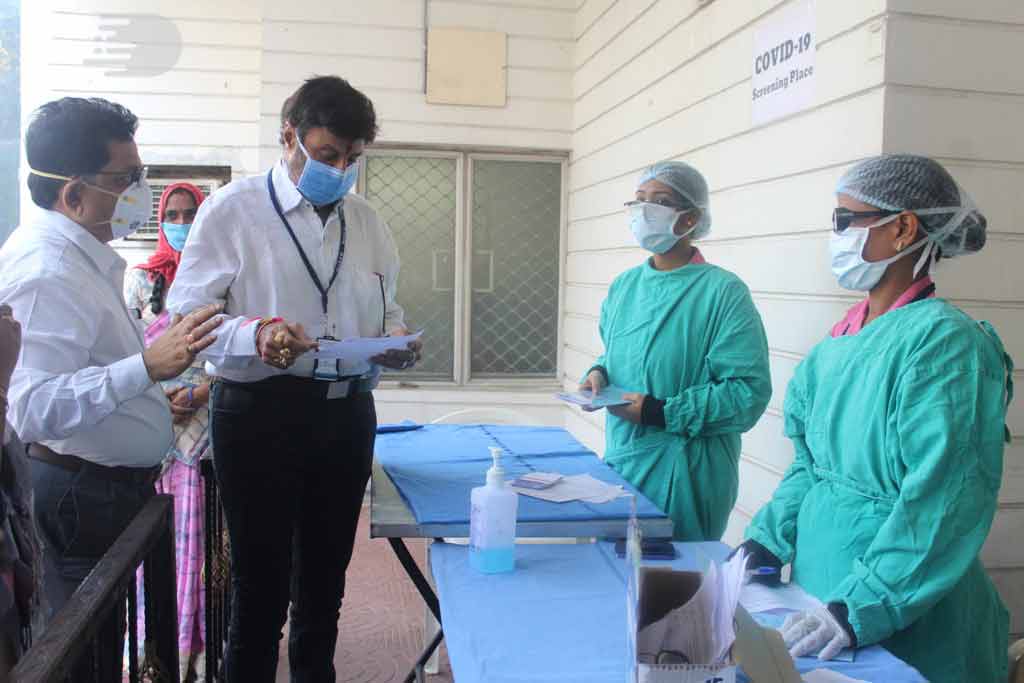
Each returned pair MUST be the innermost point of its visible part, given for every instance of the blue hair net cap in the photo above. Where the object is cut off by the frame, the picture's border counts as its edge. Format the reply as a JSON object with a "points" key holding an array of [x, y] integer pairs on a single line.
{"points": [[688, 183], [905, 182]]}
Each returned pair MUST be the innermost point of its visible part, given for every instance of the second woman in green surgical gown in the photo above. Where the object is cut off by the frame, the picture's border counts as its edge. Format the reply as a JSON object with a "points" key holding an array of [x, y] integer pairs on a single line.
{"points": [[685, 338]]}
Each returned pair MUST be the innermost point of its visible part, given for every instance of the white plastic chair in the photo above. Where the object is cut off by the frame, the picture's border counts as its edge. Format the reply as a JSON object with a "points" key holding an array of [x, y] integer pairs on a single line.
{"points": [[490, 415]]}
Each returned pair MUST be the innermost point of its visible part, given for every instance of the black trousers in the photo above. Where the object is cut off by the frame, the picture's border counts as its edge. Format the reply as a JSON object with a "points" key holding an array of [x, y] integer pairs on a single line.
{"points": [[292, 469], [79, 516]]}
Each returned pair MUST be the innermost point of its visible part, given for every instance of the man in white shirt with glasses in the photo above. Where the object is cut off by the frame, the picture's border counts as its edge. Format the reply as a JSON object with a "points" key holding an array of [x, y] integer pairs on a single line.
{"points": [[85, 395]]}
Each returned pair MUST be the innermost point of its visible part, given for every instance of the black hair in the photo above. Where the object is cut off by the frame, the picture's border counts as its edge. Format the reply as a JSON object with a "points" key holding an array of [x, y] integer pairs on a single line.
{"points": [[330, 102], [71, 137]]}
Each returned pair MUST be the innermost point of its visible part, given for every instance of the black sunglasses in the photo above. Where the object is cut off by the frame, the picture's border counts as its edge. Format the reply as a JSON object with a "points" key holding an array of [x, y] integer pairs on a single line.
{"points": [[842, 218]]}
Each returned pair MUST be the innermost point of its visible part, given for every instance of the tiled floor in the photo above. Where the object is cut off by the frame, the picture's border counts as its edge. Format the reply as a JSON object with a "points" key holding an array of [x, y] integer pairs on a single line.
{"points": [[381, 628]]}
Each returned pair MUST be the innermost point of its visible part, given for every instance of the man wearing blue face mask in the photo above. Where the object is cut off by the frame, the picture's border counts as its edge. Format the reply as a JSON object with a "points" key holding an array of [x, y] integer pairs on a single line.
{"points": [[296, 257]]}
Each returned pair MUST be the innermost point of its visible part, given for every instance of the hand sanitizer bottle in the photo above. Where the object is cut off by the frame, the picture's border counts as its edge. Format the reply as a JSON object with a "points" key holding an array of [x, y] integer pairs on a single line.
{"points": [[492, 522]]}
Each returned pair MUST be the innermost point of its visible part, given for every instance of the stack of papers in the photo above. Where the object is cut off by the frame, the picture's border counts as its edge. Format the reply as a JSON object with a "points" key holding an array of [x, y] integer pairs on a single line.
{"points": [[609, 396], [701, 630], [361, 349], [757, 597], [582, 487]]}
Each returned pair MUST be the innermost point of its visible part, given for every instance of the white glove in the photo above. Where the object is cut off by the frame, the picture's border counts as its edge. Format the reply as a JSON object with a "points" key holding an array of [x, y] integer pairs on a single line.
{"points": [[813, 630]]}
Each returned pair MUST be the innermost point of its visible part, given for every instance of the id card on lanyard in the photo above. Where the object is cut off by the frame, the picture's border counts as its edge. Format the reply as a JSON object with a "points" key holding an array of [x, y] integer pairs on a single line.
{"points": [[324, 371]]}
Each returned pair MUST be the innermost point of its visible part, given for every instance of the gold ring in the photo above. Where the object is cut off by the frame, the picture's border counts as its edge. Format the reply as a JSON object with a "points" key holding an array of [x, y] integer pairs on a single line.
{"points": [[286, 352], [188, 349]]}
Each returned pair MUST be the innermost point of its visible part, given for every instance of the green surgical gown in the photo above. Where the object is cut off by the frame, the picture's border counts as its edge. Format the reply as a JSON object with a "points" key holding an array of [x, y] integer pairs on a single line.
{"points": [[693, 338], [899, 434]]}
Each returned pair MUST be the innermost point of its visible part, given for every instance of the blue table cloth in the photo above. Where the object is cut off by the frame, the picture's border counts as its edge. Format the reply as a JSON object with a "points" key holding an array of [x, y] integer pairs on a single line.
{"points": [[435, 468], [561, 616]]}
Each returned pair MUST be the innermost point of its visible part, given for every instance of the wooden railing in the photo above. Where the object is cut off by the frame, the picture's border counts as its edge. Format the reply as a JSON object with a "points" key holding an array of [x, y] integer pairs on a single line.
{"points": [[72, 635]]}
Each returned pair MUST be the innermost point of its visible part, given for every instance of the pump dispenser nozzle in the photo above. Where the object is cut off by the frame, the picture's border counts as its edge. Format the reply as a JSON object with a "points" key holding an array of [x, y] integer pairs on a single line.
{"points": [[496, 475]]}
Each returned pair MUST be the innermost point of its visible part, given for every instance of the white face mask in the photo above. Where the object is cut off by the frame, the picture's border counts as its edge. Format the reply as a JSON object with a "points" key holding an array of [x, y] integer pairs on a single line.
{"points": [[133, 209], [847, 247], [653, 226]]}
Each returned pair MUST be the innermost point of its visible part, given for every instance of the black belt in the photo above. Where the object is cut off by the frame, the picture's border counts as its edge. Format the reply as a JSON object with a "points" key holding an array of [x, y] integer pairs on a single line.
{"points": [[283, 386], [72, 463]]}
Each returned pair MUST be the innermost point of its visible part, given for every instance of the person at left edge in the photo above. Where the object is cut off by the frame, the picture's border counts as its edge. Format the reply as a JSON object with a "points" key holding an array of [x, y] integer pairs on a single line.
{"points": [[296, 257], [85, 393], [686, 337]]}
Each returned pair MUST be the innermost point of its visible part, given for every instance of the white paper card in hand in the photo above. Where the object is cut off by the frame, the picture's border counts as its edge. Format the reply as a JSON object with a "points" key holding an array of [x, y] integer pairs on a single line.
{"points": [[362, 349], [606, 398], [757, 597], [829, 676]]}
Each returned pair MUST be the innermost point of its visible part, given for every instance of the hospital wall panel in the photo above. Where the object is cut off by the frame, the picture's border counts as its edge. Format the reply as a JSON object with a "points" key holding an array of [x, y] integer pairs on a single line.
{"points": [[588, 13], [553, 21], [801, 143], [946, 41], [658, 66], [226, 10], [992, 11]]}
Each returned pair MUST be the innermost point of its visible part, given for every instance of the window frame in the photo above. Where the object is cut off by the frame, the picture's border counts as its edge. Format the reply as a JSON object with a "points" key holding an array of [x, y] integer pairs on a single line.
{"points": [[462, 376]]}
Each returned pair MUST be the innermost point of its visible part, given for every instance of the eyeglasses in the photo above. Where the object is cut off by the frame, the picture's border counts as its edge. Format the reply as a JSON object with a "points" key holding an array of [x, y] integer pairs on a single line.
{"points": [[660, 202], [842, 217], [124, 178], [186, 215]]}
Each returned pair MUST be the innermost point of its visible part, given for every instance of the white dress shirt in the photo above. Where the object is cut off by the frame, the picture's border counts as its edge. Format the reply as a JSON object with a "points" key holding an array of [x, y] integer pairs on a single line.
{"points": [[239, 252], [81, 386]]}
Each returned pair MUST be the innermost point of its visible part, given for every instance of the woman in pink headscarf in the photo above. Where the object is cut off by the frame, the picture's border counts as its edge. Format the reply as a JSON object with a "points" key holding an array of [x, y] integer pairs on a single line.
{"points": [[146, 290]]}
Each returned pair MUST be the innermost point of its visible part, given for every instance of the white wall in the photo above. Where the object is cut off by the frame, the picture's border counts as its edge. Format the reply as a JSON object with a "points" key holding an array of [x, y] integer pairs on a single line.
{"points": [[219, 102], [962, 105], [663, 79], [379, 46]]}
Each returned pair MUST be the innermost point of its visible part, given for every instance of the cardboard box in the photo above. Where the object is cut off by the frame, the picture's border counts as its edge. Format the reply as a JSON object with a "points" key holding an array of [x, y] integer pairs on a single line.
{"points": [[658, 591]]}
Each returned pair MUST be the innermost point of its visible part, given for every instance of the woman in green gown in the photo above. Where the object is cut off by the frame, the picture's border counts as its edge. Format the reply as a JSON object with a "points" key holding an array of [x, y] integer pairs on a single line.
{"points": [[898, 424], [684, 339]]}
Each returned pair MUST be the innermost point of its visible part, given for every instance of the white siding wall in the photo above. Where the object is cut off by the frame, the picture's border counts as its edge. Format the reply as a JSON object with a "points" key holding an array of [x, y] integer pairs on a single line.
{"points": [[379, 46], [962, 105], [659, 79]]}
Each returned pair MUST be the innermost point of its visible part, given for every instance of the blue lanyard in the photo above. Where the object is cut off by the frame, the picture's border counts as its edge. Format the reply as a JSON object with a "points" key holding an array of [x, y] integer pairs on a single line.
{"points": [[305, 259]]}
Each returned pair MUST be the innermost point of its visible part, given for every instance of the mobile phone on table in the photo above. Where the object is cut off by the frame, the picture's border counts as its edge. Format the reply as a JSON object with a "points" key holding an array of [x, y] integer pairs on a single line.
{"points": [[650, 549]]}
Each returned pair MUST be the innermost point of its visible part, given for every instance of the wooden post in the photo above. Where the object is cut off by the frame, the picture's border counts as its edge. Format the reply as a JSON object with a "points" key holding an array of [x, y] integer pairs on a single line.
{"points": [[162, 606], [71, 633]]}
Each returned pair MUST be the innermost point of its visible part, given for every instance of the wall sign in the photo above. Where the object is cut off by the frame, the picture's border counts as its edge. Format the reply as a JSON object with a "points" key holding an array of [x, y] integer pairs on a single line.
{"points": [[783, 62]]}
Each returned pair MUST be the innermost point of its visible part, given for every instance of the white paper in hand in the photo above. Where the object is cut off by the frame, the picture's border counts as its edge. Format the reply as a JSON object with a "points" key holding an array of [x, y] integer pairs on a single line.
{"points": [[356, 350]]}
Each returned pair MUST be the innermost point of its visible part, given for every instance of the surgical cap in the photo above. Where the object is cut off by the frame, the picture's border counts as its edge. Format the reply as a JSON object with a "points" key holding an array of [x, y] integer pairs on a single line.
{"points": [[688, 183], [904, 182]]}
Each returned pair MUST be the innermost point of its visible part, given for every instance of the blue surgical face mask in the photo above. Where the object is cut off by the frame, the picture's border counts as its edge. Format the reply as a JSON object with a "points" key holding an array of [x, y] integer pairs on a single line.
{"points": [[176, 233], [653, 226], [322, 183], [848, 264]]}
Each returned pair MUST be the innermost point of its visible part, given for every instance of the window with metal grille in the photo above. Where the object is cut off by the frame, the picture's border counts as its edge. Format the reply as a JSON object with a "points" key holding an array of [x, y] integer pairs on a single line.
{"points": [[206, 178], [479, 240]]}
